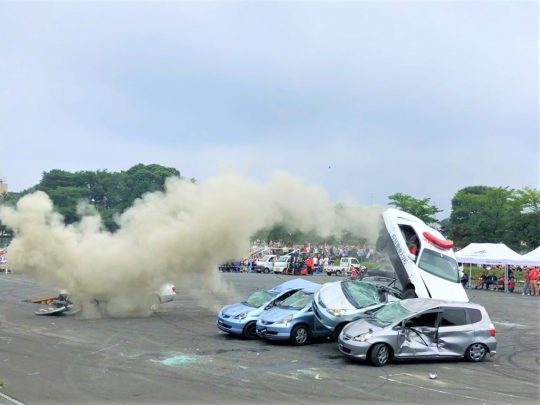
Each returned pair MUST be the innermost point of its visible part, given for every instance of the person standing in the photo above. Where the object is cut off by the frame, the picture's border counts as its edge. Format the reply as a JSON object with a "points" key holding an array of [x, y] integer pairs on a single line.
{"points": [[533, 274], [526, 283]]}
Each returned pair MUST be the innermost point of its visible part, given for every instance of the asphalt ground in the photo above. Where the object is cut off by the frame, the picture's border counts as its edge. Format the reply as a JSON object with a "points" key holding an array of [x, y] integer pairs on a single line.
{"points": [[178, 355]]}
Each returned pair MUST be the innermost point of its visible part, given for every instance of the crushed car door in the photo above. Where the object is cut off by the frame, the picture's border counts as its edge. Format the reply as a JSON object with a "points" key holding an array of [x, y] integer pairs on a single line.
{"points": [[418, 336], [455, 332]]}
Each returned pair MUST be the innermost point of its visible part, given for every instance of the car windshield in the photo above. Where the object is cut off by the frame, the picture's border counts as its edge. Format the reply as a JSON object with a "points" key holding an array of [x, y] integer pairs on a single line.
{"points": [[258, 298], [360, 293], [390, 313], [283, 258], [266, 258], [439, 265], [297, 301]]}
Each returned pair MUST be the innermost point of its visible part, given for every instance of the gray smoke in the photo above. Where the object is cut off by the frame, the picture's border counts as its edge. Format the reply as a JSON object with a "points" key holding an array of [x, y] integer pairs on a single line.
{"points": [[180, 235]]}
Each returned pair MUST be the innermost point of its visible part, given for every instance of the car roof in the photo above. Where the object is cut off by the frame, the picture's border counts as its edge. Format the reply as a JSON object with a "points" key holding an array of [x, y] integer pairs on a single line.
{"points": [[297, 283], [416, 305]]}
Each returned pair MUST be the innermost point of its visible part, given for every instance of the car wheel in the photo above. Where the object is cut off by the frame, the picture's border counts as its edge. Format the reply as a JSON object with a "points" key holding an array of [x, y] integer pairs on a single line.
{"points": [[379, 355], [266, 270], [476, 352], [299, 335], [337, 331], [409, 293], [250, 331], [338, 272], [155, 302], [381, 243]]}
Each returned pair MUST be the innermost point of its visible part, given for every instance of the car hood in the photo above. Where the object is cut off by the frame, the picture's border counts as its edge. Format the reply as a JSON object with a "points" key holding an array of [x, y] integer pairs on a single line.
{"points": [[443, 289], [238, 308], [332, 296], [275, 314], [361, 326]]}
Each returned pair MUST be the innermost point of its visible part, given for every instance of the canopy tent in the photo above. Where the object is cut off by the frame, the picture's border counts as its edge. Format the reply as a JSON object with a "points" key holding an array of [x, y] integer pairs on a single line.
{"points": [[532, 258], [489, 253]]}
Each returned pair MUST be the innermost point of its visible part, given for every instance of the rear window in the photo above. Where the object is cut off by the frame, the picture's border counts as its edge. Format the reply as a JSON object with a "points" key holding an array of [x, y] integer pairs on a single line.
{"points": [[475, 315], [453, 317]]}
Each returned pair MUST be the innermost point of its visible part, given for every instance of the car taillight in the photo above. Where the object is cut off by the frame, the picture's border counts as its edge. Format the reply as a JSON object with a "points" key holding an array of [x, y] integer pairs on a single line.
{"points": [[491, 330], [174, 289]]}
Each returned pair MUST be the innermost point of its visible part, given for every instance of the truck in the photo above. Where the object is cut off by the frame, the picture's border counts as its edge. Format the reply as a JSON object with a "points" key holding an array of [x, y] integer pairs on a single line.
{"points": [[344, 267], [266, 264]]}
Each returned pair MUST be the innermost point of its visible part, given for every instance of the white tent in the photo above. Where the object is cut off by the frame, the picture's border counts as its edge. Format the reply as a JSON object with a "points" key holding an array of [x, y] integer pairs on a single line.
{"points": [[489, 253], [532, 258]]}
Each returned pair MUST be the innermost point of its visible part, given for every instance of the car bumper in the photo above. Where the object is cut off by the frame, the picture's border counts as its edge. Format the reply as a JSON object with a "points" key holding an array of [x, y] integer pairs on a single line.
{"points": [[230, 325], [273, 332], [327, 320], [358, 350]]}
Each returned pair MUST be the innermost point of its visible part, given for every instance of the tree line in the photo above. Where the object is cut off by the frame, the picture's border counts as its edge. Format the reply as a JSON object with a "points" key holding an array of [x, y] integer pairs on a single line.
{"points": [[479, 213]]}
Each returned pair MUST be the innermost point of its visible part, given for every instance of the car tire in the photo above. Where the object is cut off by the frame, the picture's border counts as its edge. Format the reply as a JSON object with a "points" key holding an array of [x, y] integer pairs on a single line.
{"points": [[250, 331], [409, 293], [300, 335], [379, 354], [337, 331], [476, 352], [155, 303], [381, 243], [338, 272], [266, 270]]}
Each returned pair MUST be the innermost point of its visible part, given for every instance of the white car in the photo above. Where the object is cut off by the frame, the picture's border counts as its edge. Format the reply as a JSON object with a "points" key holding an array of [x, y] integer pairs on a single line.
{"points": [[266, 264], [281, 263], [423, 260]]}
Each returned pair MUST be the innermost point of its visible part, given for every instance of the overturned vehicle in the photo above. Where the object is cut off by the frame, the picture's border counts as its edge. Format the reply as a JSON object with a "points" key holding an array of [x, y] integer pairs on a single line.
{"points": [[423, 260]]}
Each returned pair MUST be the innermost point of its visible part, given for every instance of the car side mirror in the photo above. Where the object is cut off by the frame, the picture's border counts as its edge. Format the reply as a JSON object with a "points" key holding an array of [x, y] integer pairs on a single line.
{"points": [[411, 256]]}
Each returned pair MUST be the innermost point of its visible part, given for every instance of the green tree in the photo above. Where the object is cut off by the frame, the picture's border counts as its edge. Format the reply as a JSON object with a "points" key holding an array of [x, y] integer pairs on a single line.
{"points": [[485, 214], [421, 208], [528, 222]]}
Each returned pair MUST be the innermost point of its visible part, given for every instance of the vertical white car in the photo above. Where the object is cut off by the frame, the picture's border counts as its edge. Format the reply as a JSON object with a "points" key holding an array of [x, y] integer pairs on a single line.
{"points": [[281, 263], [423, 260]]}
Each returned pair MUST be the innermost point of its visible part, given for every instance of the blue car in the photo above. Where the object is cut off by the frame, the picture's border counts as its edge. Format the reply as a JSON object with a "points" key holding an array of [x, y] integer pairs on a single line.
{"points": [[292, 319], [240, 318]]}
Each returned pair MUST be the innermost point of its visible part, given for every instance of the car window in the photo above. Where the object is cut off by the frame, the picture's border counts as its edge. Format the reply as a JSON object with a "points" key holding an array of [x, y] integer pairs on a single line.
{"points": [[354, 261], [283, 259], [361, 294], [439, 265], [258, 298], [297, 301], [428, 319], [475, 315], [391, 313], [453, 317]]}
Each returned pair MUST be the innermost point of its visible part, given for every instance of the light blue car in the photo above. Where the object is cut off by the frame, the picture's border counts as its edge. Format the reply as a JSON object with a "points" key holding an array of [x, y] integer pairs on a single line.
{"points": [[240, 318], [292, 318]]}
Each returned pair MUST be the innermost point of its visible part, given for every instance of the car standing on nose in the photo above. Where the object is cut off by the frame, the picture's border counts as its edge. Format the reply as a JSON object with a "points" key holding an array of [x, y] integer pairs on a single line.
{"points": [[292, 318], [240, 318], [336, 304], [420, 328]]}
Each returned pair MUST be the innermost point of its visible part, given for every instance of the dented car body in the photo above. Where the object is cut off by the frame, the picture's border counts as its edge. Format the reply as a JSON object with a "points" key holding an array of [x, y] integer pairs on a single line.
{"points": [[423, 260], [421, 328]]}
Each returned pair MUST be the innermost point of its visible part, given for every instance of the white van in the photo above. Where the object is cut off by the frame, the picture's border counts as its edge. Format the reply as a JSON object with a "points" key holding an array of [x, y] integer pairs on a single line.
{"points": [[281, 263]]}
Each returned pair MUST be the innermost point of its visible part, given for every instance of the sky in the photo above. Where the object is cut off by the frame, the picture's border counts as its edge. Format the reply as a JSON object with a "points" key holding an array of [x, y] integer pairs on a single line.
{"points": [[365, 99]]}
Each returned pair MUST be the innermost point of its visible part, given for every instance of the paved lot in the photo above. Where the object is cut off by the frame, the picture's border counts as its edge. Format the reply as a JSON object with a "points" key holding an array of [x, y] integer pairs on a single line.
{"points": [[178, 355]]}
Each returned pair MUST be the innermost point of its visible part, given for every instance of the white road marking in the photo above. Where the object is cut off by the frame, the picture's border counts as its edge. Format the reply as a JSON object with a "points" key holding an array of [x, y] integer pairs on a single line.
{"points": [[439, 391], [509, 324], [11, 400]]}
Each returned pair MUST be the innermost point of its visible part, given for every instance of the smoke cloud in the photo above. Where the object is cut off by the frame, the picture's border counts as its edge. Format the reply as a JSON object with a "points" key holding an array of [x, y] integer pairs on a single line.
{"points": [[179, 235]]}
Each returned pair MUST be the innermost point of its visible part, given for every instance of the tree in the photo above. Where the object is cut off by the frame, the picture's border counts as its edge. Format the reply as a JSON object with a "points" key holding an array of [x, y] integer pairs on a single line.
{"points": [[420, 208], [485, 214], [528, 222]]}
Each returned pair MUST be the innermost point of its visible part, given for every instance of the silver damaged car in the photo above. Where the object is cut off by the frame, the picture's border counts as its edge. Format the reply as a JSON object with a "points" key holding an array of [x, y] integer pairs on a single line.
{"points": [[421, 328]]}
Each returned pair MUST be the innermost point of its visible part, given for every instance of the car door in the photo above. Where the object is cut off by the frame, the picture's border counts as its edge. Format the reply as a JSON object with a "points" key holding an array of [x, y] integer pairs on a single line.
{"points": [[417, 336], [455, 332]]}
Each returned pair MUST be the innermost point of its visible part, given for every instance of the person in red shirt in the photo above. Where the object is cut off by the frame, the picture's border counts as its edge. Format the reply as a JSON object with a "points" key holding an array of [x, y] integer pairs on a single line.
{"points": [[533, 274]]}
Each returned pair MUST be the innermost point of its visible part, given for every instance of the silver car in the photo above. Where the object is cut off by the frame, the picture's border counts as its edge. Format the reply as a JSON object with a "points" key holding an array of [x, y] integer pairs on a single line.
{"points": [[421, 328], [336, 304]]}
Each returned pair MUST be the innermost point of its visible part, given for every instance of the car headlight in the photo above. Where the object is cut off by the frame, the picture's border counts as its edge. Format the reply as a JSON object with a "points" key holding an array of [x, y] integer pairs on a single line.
{"points": [[285, 320], [337, 311], [363, 337], [241, 315]]}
